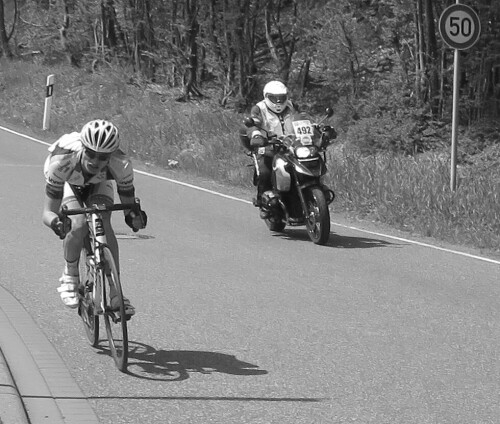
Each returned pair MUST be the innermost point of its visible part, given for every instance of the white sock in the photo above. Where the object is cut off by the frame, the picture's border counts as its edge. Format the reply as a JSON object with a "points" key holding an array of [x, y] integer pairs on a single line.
{"points": [[71, 268]]}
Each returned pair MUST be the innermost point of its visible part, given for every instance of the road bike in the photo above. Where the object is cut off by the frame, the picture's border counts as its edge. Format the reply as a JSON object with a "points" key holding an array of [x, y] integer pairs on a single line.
{"points": [[100, 282]]}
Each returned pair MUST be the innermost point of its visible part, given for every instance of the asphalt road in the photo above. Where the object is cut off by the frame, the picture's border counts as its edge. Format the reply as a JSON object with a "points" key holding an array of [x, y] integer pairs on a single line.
{"points": [[237, 325]]}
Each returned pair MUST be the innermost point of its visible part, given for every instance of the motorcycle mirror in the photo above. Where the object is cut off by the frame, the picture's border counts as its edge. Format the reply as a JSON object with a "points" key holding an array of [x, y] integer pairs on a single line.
{"points": [[249, 122], [329, 114]]}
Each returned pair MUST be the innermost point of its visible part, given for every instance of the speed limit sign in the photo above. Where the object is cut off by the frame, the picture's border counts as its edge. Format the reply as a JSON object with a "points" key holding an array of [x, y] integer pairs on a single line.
{"points": [[459, 26]]}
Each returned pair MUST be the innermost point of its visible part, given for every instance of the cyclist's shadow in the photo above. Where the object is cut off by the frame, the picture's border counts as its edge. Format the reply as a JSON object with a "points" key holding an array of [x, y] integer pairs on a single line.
{"points": [[148, 363]]}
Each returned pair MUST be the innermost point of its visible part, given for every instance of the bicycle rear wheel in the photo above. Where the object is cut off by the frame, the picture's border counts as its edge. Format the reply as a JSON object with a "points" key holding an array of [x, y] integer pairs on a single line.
{"points": [[115, 320], [86, 308]]}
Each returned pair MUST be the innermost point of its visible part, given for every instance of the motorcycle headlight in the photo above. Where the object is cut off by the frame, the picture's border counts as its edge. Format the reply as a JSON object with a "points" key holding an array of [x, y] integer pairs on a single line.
{"points": [[303, 152]]}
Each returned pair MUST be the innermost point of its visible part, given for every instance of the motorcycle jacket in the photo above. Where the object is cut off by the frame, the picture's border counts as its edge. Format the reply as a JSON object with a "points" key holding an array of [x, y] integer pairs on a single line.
{"points": [[63, 166], [280, 124]]}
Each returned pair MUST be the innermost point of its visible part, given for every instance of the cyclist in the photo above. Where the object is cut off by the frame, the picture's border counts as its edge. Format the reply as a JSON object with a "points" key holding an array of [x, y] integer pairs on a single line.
{"points": [[272, 114], [83, 165]]}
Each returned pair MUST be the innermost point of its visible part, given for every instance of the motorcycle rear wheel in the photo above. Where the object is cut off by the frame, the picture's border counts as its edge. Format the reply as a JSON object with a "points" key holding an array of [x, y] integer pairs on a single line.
{"points": [[318, 216]]}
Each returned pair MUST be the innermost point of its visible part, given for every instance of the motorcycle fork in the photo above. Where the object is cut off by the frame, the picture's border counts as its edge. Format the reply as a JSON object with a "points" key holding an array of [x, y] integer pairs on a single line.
{"points": [[301, 195], [300, 188], [256, 164]]}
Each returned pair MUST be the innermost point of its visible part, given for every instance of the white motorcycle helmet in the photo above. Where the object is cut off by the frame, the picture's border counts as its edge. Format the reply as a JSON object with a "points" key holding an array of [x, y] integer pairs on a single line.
{"points": [[276, 96]]}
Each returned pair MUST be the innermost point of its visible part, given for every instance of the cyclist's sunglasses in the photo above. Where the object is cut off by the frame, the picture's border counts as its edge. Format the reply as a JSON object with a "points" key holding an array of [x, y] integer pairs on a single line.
{"points": [[277, 98], [95, 155]]}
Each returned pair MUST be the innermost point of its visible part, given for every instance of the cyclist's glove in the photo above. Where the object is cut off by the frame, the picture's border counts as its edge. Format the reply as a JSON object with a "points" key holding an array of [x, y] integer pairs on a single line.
{"points": [[136, 221], [61, 228]]}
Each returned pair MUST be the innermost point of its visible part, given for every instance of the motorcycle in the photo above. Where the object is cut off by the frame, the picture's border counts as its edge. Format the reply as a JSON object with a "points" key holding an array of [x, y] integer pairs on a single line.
{"points": [[298, 196]]}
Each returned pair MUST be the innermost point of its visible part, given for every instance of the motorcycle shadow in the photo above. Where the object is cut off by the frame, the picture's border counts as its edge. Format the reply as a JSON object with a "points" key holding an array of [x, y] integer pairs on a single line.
{"points": [[336, 240]]}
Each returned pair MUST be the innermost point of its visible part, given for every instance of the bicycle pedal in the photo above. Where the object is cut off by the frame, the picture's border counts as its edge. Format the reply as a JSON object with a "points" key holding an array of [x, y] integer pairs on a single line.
{"points": [[114, 315], [127, 317]]}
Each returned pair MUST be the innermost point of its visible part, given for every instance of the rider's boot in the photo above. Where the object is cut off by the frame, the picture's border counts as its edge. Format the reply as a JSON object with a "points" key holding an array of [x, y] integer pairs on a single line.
{"points": [[257, 202]]}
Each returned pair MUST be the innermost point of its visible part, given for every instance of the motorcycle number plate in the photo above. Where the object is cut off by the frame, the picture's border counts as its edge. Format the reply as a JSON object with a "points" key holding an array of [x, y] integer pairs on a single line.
{"points": [[304, 130]]}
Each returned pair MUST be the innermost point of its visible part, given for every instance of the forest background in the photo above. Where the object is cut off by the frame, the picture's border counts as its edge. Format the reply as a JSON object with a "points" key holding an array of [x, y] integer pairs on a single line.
{"points": [[178, 76]]}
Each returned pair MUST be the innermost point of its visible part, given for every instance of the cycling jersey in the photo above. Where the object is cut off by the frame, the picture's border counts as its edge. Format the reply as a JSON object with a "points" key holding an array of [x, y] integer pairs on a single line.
{"points": [[63, 166]]}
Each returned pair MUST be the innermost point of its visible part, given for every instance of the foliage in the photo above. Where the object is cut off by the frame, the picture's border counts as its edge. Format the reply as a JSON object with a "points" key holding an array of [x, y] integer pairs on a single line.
{"points": [[412, 193]]}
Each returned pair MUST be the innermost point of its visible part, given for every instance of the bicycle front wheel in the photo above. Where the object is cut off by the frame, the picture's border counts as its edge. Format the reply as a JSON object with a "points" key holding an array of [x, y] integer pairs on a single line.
{"points": [[87, 307], [114, 312]]}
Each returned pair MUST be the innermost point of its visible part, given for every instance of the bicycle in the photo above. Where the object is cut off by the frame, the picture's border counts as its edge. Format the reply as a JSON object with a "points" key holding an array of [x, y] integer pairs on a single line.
{"points": [[98, 279]]}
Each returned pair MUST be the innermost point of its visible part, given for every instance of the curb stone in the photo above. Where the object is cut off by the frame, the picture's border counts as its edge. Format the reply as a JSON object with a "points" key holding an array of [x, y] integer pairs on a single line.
{"points": [[11, 406], [38, 376]]}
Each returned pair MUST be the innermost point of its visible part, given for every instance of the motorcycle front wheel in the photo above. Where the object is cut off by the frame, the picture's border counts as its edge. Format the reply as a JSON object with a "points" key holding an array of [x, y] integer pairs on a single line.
{"points": [[318, 216]]}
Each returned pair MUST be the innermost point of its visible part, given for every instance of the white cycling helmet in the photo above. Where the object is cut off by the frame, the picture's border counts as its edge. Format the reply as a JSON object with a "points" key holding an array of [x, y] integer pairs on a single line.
{"points": [[100, 136], [275, 96]]}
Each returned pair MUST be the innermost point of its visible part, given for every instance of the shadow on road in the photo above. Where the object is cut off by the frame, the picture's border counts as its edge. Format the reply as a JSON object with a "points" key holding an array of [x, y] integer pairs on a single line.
{"points": [[335, 240], [146, 362]]}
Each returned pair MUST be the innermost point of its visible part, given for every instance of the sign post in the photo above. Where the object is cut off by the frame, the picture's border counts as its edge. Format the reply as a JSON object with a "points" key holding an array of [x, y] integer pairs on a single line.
{"points": [[460, 29], [48, 102]]}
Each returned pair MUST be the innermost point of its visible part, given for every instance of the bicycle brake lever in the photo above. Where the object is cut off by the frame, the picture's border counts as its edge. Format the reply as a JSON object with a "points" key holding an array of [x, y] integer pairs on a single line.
{"points": [[63, 210]]}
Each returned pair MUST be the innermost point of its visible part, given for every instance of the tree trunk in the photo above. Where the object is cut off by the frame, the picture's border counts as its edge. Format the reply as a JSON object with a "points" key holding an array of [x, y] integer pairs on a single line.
{"points": [[353, 60], [143, 37], [192, 30], [63, 36], [4, 41], [419, 53], [432, 54], [304, 76], [283, 48], [110, 27]]}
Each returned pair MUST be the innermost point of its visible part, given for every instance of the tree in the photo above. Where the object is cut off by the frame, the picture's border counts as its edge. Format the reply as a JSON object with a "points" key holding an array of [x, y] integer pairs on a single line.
{"points": [[4, 38], [192, 29], [281, 41], [374, 55], [142, 36]]}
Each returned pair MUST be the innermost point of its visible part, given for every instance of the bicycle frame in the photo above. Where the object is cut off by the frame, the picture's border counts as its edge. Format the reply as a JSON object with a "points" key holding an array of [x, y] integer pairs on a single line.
{"points": [[104, 275]]}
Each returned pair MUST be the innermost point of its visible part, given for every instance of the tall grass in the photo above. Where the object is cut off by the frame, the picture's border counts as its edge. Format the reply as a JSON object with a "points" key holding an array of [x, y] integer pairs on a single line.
{"points": [[413, 193], [410, 193]]}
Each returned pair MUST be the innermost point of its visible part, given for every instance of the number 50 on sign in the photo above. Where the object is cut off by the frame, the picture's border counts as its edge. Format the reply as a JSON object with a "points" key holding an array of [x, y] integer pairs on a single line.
{"points": [[459, 26]]}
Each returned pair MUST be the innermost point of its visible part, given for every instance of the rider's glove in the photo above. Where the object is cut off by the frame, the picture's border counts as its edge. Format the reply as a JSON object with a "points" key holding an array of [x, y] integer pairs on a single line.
{"points": [[61, 228], [136, 220], [330, 132], [258, 141]]}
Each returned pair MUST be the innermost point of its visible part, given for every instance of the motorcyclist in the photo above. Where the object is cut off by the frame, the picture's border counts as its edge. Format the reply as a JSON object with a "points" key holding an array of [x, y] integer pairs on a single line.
{"points": [[85, 163], [273, 114]]}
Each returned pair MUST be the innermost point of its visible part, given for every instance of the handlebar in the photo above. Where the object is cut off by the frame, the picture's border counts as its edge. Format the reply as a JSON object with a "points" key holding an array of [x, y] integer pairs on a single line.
{"points": [[136, 206]]}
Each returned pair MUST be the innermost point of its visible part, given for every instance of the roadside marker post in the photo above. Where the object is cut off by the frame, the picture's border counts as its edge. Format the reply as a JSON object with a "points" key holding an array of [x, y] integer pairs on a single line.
{"points": [[48, 101], [460, 29]]}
